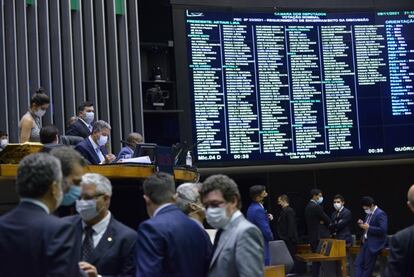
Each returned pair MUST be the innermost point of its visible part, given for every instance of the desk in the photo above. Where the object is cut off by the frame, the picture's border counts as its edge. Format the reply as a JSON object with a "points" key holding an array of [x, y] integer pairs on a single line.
{"points": [[274, 271], [118, 171]]}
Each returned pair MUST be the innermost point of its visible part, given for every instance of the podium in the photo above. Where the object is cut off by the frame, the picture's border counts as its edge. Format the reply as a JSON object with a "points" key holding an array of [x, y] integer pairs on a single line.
{"points": [[329, 250], [15, 152]]}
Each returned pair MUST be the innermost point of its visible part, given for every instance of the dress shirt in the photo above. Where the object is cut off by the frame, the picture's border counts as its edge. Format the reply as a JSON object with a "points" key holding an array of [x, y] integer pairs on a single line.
{"points": [[99, 229], [87, 125], [368, 220], [37, 203], [97, 150]]}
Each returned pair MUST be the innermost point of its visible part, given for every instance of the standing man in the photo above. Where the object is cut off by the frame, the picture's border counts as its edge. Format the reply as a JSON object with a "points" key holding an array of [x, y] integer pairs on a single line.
{"points": [[238, 245], [82, 127], [257, 215], [286, 225], [374, 238], [400, 263], [169, 243], [102, 241], [93, 147], [316, 221], [341, 220], [32, 241]]}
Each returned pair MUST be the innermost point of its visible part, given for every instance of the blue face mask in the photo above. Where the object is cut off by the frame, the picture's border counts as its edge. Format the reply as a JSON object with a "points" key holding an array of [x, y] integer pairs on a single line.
{"points": [[71, 196]]}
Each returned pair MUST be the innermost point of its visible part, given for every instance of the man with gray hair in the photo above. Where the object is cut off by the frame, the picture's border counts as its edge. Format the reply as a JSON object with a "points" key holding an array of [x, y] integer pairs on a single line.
{"points": [[169, 243], [400, 261], [102, 241], [33, 242], [93, 148], [238, 245], [188, 201]]}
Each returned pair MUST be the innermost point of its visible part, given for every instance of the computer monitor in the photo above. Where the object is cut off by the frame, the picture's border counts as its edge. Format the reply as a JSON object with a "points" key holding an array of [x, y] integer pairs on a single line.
{"points": [[164, 160], [145, 149]]}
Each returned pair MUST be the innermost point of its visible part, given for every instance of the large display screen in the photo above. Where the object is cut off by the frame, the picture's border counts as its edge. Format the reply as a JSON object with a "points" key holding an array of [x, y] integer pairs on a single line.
{"points": [[300, 86]]}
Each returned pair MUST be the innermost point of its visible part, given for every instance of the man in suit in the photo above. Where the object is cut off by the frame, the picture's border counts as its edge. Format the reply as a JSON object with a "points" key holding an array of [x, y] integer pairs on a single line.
{"points": [[82, 127], [400, 263], [341, 220], [238, 245], [374, 237], [93, 147], [102, 241], [169, 243], [257, 215], [316, 221], [131, 142], [32, 241], [286, 225]]}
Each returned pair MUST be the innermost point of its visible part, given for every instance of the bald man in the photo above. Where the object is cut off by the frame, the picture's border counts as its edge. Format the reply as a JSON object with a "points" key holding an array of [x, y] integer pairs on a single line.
{"points": [[400, 262], [131, 142]]}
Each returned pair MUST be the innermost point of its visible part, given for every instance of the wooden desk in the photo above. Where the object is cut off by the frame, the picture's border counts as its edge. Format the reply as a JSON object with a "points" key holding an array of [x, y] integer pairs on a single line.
{"points": [[274, 271], [118, 171], [354, 250]]}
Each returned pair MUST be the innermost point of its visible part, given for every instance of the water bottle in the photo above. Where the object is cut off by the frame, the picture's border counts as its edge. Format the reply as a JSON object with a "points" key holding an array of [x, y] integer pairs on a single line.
{"points": [[188, 159]]}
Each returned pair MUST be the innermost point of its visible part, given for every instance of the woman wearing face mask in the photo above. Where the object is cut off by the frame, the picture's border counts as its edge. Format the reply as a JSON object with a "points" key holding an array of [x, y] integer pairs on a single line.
{"points": [[31, 122]]}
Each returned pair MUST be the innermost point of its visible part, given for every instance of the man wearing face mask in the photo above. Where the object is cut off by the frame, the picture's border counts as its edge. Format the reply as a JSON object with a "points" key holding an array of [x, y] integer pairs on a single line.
{"points": [[82, 127], [188, 201], [131, 142], [400, 263], [374, 237], [169, 243], [257, 215], [341, 220], [102, 241], [316, 221], [33, 242], [238, 245], [93, 147], [4, 140]]}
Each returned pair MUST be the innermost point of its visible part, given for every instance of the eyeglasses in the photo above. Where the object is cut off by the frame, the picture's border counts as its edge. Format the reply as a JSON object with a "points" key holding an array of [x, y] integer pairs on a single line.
{"points": [[215, 204], [90, 197]]}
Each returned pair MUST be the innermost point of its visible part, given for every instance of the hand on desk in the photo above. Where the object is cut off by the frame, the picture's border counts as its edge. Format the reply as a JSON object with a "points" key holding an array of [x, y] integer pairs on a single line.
{"points": [[109, 158]]}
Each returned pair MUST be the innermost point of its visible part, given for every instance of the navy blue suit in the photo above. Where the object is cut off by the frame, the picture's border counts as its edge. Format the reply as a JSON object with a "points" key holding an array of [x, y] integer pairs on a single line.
{"points": [[34, 243], [340, 225], [85, 148], [78, 129], [375, 242], [256, 214], [171, 244], [126, 152], [115, 253]]}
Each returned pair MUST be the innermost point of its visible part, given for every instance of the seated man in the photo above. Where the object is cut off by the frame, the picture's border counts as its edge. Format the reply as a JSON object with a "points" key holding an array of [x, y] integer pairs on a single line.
{"points": [[4, 140], [49, 136], [93, 147], [102, 241], [82, 126], [131, 142]]}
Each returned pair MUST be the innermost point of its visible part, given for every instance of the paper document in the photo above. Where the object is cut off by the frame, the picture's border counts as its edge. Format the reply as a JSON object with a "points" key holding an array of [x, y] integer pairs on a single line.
{"points": [[141, 160]]}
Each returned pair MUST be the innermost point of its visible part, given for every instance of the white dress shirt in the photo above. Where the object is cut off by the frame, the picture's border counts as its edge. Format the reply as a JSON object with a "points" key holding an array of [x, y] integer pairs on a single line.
{"points": [[99, 229]]}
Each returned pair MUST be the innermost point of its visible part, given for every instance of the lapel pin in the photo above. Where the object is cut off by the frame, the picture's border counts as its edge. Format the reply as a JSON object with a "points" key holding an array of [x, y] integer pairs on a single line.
{"points": [[109, 239]]}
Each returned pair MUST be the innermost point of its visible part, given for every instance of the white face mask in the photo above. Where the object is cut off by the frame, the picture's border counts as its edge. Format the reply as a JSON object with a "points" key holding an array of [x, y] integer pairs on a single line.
{"points": [[217, 217], [89, 117], [87, 209], [102, 140], [40, 113], [4, 142], [337, 206], [368, 211]]}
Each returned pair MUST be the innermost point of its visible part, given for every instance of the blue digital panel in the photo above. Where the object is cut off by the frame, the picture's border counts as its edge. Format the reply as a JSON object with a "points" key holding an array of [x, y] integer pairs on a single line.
{"points": [[300, 86]]}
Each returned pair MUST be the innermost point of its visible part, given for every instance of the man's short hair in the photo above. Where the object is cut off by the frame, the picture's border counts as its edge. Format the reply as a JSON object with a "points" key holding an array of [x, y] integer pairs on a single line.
{"points": [[340, 197], [256, 191], [159, 188], [187, 193], [367, 201], [314, 192], [225, 185], [284, 197], [99, 125], [84, 105], [36, 173], [68, 158], [48, 134], [103, 185]]}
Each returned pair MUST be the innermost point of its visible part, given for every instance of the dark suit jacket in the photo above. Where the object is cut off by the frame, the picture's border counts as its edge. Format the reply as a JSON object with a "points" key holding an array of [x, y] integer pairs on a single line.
{"points": [[34, 243], [78, 129], [171, 244], [314, 214], [400, 261], [377, 231], [257, 215], [286, 225], [88, 152], [115, 253], [340, 225]]}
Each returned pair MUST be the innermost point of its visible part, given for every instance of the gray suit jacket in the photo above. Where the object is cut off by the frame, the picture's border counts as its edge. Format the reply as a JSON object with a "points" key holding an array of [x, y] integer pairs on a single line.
{"points": [[239, 251]]}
